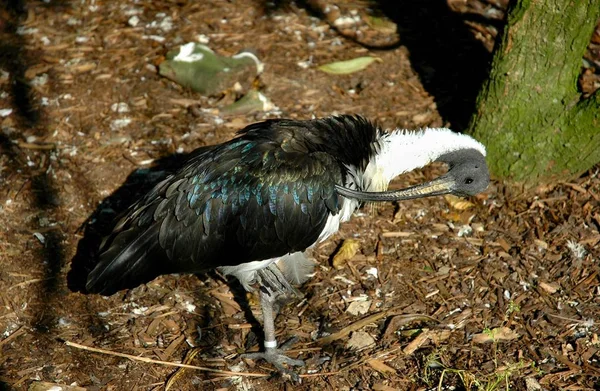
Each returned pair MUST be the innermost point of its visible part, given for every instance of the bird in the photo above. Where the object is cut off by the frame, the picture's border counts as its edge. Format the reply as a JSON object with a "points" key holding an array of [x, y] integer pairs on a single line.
{"points": [[253, 206]]}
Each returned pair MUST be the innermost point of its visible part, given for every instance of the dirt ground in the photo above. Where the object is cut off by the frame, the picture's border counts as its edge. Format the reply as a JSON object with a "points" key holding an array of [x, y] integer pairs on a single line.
{"points": [[500, 291]]}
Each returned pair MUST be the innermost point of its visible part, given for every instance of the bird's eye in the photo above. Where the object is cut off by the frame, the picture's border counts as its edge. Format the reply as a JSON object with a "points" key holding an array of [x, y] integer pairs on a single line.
{"points": [[468, 181]]}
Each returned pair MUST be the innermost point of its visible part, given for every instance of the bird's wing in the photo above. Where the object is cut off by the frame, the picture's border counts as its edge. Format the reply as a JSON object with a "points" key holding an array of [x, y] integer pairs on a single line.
{"points": [[241, 202]]}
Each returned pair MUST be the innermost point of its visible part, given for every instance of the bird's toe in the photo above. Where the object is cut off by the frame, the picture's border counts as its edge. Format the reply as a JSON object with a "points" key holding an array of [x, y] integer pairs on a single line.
{"points": [[279, 360]]}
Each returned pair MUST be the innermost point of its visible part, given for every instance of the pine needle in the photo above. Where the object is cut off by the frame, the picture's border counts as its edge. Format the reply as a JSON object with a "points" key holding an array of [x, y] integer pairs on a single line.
{"points": [[178, 373], [166, 363]]}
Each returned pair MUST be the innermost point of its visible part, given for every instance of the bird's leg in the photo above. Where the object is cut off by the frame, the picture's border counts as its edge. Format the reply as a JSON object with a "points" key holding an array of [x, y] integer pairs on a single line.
{"points": [[273, 354], [266, 305]]}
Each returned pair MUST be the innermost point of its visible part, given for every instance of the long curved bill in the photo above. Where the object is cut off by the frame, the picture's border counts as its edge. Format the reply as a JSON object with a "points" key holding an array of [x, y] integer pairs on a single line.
{"points": [[439, 186]]}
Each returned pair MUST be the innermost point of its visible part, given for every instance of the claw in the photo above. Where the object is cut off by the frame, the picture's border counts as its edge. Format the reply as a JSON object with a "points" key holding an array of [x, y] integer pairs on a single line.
{"points": [[273, 285], [277, 358]]}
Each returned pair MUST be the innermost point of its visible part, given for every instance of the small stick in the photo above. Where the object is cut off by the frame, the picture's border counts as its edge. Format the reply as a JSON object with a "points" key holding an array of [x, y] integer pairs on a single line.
{"points": [[320, 374], [152, 361], [370, 319], [36, 146], [15, 334], [24, 283]]}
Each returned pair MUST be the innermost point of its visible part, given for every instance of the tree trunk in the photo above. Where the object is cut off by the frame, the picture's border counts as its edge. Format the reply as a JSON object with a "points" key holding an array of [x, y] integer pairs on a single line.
{"points": [[530, 114]]}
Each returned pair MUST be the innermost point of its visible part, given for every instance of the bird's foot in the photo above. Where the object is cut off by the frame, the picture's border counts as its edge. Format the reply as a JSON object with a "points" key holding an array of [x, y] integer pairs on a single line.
{"points": [[277, 357]]}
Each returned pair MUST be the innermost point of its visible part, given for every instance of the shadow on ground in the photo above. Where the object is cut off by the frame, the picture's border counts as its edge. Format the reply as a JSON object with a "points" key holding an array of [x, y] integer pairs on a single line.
{"points": [[15, 60], [103, 219], [451, 63]]}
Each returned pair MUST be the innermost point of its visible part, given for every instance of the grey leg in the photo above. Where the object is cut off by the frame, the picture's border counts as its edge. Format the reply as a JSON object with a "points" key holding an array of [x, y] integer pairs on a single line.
{"points": [[273, 354], [266, 306]]}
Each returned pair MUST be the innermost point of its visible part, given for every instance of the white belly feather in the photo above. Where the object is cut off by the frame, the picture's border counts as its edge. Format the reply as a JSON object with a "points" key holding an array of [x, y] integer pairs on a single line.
{"points": [[246, 272], [333, 221]]}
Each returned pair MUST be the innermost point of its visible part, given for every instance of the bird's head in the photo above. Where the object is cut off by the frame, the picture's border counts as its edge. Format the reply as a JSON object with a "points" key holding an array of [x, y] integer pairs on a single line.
{"points": [[467, 175]]}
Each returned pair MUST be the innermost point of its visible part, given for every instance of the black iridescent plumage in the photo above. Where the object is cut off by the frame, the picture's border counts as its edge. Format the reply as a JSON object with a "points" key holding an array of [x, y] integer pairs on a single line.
{"points": [[264, 194]]}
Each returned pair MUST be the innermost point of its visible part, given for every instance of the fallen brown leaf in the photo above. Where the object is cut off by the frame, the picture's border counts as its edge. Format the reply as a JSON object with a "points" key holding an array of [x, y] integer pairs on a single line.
{"points": [[495, 335], [550, 288], [360, 340], [458, 203], [438, 336], [347, 250]]}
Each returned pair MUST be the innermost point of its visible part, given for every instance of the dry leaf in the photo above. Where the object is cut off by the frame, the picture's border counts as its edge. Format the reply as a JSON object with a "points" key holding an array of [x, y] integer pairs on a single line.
{"points": [[504, 244], [173, 346], [532, 384], [381, 24], [439, 336], [458, 203], [85, 67], [440, 227], [453, 216], [550, 288], [495, 335], [349, 66], [360, 340], [380, 366], [186, 102], [379, 250], [396, 234], [359, 307], [541, 244], [347, 250], [252, 102]]}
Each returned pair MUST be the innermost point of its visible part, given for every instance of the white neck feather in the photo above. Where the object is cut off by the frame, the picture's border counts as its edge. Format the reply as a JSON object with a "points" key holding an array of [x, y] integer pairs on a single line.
{"points": [[404, 150]]}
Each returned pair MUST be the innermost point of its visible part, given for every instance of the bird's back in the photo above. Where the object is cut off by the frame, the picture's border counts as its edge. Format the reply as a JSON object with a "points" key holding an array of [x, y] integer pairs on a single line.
{"points": [[262, 195]]}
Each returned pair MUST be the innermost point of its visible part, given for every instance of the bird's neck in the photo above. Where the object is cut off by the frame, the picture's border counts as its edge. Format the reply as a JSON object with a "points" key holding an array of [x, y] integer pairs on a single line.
{"points": [[401, 151]]}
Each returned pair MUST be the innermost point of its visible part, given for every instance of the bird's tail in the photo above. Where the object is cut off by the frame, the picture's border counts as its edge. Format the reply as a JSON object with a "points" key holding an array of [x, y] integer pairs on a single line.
{"points": [[131, 259]]}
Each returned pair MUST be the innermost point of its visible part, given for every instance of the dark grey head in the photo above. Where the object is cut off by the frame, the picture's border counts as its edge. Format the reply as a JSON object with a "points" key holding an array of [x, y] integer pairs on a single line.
{"points": [[467, 175], [467, 171]]}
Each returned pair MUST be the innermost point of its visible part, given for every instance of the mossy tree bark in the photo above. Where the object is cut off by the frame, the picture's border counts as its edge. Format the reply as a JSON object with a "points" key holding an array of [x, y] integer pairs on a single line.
{"points": [[530, 114]]}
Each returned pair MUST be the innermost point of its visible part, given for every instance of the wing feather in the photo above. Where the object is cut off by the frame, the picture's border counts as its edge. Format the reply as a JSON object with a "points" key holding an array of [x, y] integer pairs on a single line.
{"points": [[246, 200]]}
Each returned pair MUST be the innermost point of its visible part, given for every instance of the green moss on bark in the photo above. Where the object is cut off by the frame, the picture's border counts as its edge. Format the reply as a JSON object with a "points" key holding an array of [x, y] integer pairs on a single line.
{"points": [[530, 114]]}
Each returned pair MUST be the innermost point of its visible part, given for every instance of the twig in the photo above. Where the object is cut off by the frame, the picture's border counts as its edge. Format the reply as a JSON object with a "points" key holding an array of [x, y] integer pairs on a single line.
{"points": [[320, 374], [178, 373], [15, 334], [37, 146], [590, 322], [370, 319], [24, 283], [580, 189], [172, 364]]}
